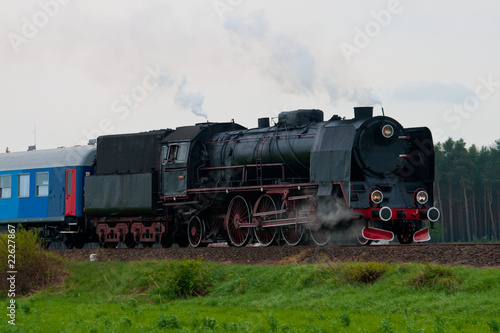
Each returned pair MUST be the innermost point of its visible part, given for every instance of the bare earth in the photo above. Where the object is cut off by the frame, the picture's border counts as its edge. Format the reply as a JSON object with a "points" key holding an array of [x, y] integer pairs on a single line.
{"points": [[474, 255]]}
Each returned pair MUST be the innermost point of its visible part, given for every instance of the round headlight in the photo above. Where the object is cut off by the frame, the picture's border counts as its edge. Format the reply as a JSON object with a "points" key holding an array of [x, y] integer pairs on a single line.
{"points": [[377, 197], [387, 131], [422, 197]]}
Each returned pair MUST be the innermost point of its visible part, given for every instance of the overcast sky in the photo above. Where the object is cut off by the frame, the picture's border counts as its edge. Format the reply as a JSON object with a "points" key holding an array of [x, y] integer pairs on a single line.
{"points": [[79, 69]]}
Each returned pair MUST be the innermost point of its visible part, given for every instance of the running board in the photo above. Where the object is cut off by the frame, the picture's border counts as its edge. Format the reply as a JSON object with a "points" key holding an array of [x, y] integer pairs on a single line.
{"points": [[377, 234], [422, 235]]}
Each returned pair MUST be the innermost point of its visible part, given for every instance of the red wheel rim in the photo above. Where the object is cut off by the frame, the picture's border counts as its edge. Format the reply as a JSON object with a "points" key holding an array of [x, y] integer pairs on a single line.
{"points": [[237, 215], [196, 231]]}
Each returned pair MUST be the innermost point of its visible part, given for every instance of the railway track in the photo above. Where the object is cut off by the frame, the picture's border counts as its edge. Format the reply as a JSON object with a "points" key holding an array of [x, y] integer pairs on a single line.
{"points": [[474, 255]]}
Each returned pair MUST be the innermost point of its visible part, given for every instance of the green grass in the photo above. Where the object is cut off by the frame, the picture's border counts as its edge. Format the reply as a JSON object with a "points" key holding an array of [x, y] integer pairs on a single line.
{"points": [[353, 297]]}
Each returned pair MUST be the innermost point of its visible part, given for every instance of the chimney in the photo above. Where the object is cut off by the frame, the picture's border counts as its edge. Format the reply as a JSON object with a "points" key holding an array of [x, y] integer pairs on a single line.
{"points": [[362, 112], [263, 122]]}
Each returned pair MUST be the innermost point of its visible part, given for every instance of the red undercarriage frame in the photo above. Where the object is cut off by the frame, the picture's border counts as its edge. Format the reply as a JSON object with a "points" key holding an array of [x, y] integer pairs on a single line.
{"points": [[152, 232], [412, 214]]}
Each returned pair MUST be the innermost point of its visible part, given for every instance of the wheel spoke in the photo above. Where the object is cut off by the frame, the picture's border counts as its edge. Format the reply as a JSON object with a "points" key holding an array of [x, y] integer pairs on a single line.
{"points": [[265, 236], [238, 214]]}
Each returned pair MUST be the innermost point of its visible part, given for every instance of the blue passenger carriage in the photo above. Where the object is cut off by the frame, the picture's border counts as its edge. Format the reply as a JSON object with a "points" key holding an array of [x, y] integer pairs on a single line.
{"points": [[45, 189]]}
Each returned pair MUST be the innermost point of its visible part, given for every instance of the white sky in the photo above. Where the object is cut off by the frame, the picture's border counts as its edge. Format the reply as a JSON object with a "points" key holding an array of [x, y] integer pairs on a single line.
{"points": [[78, 69]]}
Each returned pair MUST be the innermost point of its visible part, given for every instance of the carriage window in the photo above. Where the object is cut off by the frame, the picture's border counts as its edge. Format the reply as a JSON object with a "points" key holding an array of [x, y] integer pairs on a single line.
{"points": [[5, 187], [23, 186], [69, 181], [42, 184]]}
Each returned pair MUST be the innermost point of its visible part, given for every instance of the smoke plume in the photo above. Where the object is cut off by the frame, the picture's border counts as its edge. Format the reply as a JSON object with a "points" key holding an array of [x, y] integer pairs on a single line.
{"points": [[190, 100]]}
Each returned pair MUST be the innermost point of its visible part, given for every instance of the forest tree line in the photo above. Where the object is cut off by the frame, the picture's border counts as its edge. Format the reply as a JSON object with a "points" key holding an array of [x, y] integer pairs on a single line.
{"points": [[467, 192]]}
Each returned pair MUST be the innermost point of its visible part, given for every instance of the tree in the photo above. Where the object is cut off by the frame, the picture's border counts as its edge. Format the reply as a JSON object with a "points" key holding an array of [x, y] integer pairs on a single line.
{"points": [[464, 171]]}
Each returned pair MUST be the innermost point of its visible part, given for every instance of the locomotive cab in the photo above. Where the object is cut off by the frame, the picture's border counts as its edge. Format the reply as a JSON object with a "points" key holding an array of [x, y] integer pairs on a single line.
{"points": [[183, 153], [174, 164]]}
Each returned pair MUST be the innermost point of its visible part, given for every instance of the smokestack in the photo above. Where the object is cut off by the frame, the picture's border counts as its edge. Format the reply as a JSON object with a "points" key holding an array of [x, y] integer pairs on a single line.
{"points": [[263, 122], [362, 112]]}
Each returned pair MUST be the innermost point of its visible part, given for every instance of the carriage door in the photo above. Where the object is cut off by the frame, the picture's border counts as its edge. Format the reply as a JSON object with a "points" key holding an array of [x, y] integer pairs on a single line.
{"points": [[70, 201]]}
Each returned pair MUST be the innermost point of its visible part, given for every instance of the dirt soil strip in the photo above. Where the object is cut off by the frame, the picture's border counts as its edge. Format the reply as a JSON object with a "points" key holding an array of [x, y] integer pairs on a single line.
{"points": [[474, 255]]}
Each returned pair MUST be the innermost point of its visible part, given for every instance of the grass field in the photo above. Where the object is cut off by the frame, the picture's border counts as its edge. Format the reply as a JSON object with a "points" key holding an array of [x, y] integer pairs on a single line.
{"points": [[196, 296]]}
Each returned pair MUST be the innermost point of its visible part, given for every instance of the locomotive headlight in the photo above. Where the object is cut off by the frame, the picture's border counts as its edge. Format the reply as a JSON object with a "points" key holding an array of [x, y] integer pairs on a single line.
{"points": [[387, 131], [377, 197], [422, 197]]}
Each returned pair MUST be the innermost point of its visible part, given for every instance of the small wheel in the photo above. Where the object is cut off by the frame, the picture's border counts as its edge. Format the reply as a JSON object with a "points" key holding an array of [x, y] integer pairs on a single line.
{"points": [[238, 214], [79, 241], [265, 236], [196, 231], [68, 241], [129, 241], [147, 244], [405, 233]]}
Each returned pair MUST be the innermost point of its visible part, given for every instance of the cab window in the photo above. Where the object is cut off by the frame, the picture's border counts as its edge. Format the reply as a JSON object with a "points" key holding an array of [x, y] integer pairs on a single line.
{"points": [[175, 153]]}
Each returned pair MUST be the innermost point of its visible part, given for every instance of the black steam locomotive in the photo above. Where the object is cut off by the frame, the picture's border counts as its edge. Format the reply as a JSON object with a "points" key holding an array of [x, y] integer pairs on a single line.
{"points": [[301, 180]]}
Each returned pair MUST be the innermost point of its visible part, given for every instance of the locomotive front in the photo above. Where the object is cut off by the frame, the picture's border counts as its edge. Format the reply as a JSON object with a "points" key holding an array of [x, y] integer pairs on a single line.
{"points": [[392, 179]]}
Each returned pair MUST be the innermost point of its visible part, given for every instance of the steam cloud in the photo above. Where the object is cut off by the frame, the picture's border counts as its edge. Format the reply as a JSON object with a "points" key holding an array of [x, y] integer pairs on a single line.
{"points": [[289, 63], [361, 96], [334, 216], [190, 100]]}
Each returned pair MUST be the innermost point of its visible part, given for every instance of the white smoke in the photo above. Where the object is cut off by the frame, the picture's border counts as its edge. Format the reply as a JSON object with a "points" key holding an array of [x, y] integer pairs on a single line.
{"points": [[190, 100], [360, 96], [332, 211], [289, 63], [333, 216]]}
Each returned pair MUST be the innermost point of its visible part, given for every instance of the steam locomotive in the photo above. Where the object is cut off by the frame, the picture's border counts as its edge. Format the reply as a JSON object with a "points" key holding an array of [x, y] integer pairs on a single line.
{"points": [[300, 180]]}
